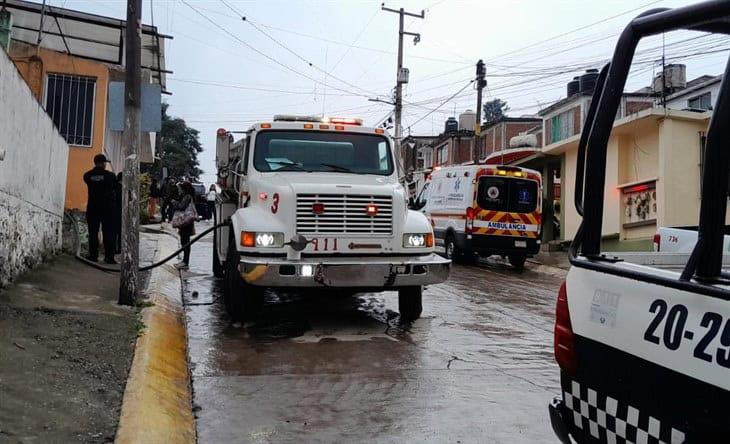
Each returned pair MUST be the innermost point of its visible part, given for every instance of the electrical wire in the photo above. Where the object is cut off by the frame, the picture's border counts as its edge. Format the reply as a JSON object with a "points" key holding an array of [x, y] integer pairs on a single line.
{"points": [[443, 103], [294, 53], [263, 54]]}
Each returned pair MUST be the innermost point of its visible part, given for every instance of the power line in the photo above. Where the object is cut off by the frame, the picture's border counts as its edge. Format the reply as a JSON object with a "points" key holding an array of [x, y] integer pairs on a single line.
{"points": [[261, 53], [291, 51], [253, 88], [550, 39], [443, 103]]}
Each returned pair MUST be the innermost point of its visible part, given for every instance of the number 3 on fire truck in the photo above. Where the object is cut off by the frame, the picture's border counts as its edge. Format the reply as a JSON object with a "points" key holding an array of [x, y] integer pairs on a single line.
{"points": [[275, 204]]}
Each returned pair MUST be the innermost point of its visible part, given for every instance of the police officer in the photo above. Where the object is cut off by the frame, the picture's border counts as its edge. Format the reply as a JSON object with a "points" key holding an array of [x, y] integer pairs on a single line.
{"points": [[100, 209]]}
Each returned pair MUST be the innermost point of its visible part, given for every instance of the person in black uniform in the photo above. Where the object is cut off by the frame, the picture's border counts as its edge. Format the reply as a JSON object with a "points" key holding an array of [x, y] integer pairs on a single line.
{"points": [[118, 214], [100, 209]]}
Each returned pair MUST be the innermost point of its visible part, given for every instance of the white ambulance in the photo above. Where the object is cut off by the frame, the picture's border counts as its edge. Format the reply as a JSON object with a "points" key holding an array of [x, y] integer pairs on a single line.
{"points": [[484, 210]]}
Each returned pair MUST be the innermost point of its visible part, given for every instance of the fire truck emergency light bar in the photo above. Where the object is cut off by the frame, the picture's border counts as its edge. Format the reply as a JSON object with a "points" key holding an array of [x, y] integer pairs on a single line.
{"points": [[317, 119]]}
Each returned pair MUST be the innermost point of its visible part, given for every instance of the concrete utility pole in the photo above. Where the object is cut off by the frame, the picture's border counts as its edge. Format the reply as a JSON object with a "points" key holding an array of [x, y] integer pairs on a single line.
{"points": [[402, 74], [130, 142], [481, 83]]}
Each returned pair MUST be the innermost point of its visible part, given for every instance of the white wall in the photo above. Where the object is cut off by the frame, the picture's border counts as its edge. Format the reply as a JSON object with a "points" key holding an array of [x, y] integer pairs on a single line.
{"points": [[682, 101], [33, 162]]}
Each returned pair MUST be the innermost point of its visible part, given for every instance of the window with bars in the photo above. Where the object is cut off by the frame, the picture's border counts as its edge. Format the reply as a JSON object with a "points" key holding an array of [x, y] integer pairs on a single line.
{"points": [[70, 103]]}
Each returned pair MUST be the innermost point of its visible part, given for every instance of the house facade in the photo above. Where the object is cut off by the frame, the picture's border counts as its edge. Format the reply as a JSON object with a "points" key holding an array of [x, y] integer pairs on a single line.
{"points": [[653, 171], [70, 72]]}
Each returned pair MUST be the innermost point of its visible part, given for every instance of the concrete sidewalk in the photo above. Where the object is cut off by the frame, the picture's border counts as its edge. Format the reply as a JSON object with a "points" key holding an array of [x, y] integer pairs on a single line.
{"points": [[65, 352]]}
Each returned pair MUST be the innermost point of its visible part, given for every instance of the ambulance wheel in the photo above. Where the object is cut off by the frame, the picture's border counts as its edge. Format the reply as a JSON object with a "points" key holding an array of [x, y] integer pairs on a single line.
{"points": [[241, 300], [218, 270], [410, 303], [518, 262], [451, 251]]}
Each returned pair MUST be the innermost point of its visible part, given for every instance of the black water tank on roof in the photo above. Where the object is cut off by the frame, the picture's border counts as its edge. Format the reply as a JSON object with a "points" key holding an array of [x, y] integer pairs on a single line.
{"points": [[574, 86], [588, 81], [452, 125]]}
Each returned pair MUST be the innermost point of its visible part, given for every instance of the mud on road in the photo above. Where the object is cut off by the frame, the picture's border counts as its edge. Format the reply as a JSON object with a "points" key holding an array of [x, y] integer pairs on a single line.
{"points": [[477, 366]]}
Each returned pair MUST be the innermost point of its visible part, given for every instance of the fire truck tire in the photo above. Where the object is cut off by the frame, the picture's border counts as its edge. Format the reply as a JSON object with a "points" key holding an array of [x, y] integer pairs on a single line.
{"points": [[233, 286], [218, 270], [518, 262], [242, 301], [410, 303]]}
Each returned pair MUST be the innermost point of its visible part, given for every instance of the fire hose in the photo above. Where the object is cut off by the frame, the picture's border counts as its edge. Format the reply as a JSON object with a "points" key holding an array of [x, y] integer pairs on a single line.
{"points": [[78, 255]]}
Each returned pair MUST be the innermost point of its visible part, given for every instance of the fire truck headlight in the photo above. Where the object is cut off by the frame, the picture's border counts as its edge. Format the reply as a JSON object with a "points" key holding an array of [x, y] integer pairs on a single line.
{"points": [[418, 240], [270, 240]]}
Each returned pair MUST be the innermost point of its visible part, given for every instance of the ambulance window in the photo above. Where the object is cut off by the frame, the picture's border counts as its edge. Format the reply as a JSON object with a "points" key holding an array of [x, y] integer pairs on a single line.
{"points": [[492, 194], [512, 195], [523, 196]]}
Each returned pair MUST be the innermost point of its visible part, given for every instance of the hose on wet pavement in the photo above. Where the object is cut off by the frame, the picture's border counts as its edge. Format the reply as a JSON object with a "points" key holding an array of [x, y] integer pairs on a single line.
{"points": [[101, 267]]}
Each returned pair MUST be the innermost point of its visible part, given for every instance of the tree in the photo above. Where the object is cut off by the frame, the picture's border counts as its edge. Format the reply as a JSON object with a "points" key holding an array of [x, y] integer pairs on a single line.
{"points": [[177, 147], [494, 110]]}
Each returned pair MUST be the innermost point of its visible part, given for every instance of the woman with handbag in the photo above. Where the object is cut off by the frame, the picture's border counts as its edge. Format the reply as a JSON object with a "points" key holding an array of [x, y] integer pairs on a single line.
{"points": [[184, 219]]}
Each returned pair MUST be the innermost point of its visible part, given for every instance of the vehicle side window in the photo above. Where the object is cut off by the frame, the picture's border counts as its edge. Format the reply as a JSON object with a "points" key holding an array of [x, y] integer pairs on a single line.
{"points": [[423, 196], [383, 155]]}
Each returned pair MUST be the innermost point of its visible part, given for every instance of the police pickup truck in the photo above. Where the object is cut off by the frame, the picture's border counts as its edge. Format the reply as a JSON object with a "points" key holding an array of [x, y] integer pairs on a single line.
{"points": [[316, 204], [644, 352]]}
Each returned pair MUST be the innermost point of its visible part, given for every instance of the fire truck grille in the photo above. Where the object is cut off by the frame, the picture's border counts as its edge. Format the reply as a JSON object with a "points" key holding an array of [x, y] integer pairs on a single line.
{"points": [[344, 214]]}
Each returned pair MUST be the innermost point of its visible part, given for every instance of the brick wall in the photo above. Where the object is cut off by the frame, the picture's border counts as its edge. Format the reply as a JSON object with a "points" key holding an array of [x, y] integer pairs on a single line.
{"points": [[515, 128], [633, 107], [577, 120]]}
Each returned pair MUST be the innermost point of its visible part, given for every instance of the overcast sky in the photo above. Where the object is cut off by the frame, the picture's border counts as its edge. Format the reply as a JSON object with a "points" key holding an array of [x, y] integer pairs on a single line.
{"points": [[329, 57]]}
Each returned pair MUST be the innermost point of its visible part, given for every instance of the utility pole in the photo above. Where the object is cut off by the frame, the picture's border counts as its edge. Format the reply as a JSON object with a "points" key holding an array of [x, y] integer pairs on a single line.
{"points": [[481, 83], [402, 74], [130, 143]]}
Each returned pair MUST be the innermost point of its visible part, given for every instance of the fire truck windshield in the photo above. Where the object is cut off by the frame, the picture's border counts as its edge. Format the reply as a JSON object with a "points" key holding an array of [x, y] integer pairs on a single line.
{"points": [[311, 151]]}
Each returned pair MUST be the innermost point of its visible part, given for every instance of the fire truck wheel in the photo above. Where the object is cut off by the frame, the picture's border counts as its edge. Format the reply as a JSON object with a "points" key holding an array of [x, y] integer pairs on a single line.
{"points": [[218, 270], [233, 287], [410, 303], [518, 262]]}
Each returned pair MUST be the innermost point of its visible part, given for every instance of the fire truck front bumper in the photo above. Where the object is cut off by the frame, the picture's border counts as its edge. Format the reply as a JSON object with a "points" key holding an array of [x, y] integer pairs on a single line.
{"points": [[354, 272]]}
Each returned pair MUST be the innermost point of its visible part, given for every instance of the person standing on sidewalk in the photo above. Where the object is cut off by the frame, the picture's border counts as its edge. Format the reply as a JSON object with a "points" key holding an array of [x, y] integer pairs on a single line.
{"points": [[184, 219], [100, 209], [154, 196], [118, 214], [210, 198], [168, 194]]}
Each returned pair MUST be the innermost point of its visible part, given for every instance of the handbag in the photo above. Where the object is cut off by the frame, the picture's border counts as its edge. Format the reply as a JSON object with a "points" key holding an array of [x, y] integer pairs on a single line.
{"points": [[183, 218]]}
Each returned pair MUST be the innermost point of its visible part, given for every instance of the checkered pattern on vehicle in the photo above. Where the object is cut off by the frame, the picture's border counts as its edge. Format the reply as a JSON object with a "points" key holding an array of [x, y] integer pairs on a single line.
{"points": [[609, 421]]}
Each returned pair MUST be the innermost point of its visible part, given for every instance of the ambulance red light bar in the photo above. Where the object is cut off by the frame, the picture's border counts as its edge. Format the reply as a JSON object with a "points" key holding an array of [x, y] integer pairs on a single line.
{"points": [[343, 120]]}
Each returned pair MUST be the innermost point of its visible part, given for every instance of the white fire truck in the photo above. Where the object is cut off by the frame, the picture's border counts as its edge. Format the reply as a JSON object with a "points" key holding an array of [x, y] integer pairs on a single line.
{"points": [[316, 204]]}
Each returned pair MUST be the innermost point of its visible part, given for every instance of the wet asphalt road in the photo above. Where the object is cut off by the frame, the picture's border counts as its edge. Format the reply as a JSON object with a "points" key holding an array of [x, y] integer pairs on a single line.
{"points": [[477, 367]]}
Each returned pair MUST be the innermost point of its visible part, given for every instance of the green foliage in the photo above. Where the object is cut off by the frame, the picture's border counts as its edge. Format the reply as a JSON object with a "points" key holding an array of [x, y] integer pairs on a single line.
{"points": [[177, 148], [494, 110], [145, 179]]}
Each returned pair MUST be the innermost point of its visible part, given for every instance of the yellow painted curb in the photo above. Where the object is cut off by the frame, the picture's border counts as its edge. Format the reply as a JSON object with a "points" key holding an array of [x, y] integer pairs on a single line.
{"points": [[157, 405]]}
